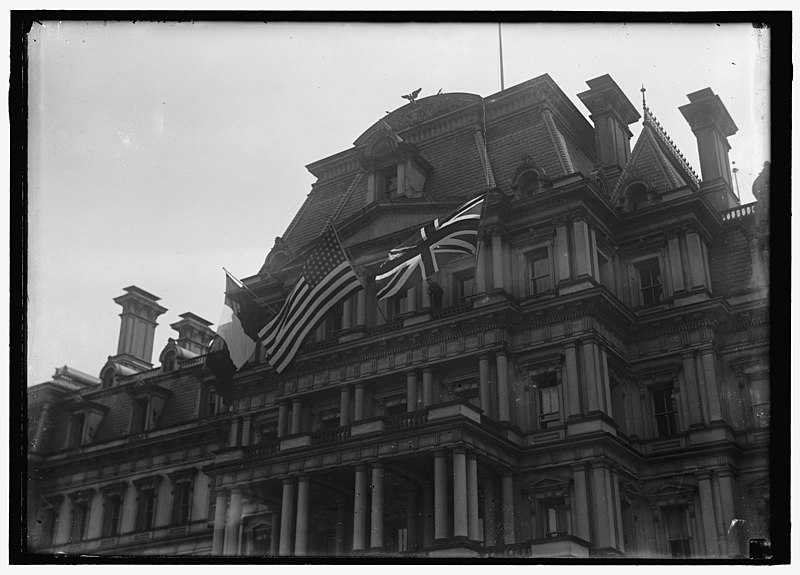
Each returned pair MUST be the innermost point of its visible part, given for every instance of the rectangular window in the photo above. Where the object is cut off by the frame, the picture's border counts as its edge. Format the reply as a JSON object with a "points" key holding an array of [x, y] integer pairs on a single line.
{"points": [[398, 305], [76, 430], [111, 515], [554, 518], [139, 415], [387, 179], [547, 398], [677, 532], [145, 514], [80, 521], [49, 524], [541, 277], [463, 286], [649, 273], [664, 411], [181, 502], [618, 404], [604, 271]]}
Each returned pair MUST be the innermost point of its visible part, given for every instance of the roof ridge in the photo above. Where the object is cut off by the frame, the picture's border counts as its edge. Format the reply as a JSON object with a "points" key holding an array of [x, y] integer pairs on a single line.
{"points": [[661, 134]]}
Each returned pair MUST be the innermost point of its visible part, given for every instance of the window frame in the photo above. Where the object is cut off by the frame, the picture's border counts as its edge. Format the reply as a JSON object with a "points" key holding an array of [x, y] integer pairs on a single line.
{"points": [[548, 379], [671, 414], [532, 278], [650, 262], [146, 502]]}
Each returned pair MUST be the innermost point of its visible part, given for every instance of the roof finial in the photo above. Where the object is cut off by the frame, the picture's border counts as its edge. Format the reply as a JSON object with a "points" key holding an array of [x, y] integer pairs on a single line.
{"points": [[644, 103]]}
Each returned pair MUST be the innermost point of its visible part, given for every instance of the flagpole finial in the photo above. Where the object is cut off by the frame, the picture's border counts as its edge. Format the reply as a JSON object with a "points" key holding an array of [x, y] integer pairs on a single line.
{"points": [[644, 102]]}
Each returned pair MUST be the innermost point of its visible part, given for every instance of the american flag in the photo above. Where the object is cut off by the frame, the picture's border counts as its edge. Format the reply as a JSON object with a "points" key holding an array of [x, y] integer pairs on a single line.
{"points": [[327, 279], [430, 249]]}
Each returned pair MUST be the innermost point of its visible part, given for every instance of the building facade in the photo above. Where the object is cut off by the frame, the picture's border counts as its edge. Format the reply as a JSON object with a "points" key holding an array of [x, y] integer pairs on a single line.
{"points": [[594, 384]]}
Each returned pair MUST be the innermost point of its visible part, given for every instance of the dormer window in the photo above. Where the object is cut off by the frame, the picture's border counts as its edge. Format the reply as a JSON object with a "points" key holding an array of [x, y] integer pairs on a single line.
{"points": [[84, 422], [149, 401], [387, 181], [107, 379], [529, 184], [170, 361]]}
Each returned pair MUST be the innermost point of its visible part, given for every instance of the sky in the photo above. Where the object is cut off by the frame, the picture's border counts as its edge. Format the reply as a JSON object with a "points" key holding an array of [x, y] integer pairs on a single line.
{"points": [[160, 153]]}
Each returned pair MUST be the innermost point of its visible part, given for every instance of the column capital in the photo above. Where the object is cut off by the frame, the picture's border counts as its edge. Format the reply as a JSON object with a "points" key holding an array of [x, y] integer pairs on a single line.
{"points": [[439, 453], [304, 477], [579, 466], [411, 373], [459, 450], [427, 370], [688, 354], [358, 386], [571, 344], [376, 464], [703, 474], [236, 490], [483, 357], [288, 479]]}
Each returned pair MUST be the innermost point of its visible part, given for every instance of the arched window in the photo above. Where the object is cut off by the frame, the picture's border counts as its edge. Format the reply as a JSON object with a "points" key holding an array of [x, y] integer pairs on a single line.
{"points": [[638, 196], [529, 184]]}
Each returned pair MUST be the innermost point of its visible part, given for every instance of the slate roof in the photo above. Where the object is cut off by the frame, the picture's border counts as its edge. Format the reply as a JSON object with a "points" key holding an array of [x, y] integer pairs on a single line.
{"points": [[656, 160]]}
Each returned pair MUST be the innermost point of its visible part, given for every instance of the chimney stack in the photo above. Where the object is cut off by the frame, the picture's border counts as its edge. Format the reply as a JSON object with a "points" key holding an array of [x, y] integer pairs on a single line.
{"points": [[711, 125], [193, 333], [137, 330], [612, 113]]}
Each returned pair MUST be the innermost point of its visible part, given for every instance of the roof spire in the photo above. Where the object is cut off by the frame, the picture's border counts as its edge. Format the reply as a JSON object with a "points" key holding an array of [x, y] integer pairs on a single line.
{"points": [[644, 103]]}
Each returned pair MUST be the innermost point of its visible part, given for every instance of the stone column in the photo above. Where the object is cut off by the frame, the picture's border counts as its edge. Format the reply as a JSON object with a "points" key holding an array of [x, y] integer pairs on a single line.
{"points": [[509, 532], [707, 511], [64, 522], [561, 252], [427, 515], [440, 496], [347, 313], [485, 389], [503, 414], [593, 400], [297, 406], [675, 264], [360, 509], [411, 299], [427, 387], [361, 309], [344, 405], [572, 384], [341, 517], [460, 514], [220, 512], [412, 517], [275, 534], [497, 261], [426, 297], [603, 505], [489, 508], [472, 498], [283, 418], [287, 517], [376, 520], [712, 392], [581, 504], [692, 390], [580, 235], [44, 423], [94, 527], [359, 402], [301, 532], [696, 259], [480, 267], [233, 436], [411, 391], [234, 521], [727, 504]]}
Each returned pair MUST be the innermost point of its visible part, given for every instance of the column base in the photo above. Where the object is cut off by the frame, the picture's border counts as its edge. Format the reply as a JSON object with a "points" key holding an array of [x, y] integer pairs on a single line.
{"points": [[456, 548]]}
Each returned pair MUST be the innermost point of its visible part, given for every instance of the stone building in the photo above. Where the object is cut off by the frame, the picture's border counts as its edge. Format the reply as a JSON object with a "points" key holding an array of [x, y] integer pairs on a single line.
{"points": [[595, 383]]}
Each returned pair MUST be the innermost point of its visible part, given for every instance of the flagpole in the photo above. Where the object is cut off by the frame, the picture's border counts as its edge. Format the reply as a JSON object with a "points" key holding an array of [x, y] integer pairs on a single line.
{"points": [[257, 299], [500, 38]]}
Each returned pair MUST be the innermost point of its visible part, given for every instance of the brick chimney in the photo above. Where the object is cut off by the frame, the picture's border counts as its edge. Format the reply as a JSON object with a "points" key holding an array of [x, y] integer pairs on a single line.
{"points": [[137, 330], [193, 333], [711, 125], [612, 113]]}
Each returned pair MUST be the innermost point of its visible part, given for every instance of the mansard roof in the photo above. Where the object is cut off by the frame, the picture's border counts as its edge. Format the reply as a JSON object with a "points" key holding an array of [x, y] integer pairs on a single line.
{"points": [[655, 161], [468, 144]]}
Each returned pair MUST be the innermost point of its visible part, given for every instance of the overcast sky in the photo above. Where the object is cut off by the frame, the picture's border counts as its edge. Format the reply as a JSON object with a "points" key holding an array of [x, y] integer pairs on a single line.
{"points": [[161, 152]]}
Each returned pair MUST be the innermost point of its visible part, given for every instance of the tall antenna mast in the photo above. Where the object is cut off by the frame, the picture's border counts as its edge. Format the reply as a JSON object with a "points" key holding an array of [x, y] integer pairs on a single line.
{"points": [[500, 38]]}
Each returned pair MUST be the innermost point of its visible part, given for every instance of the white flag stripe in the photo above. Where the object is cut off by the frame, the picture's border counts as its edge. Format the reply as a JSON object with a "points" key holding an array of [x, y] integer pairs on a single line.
{"points": [[296, 297], [318, 299], [289, 353]]}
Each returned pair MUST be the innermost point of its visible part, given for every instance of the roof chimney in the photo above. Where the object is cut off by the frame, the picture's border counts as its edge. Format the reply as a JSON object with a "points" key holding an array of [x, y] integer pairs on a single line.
{"points": [[711, 125], [139, 313], [193, 333], [612, 113]]}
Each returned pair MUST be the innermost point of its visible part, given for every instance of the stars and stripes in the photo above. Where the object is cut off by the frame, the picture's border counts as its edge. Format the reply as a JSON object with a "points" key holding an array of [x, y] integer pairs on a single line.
{"points": [[326, 280], [430, 249]]}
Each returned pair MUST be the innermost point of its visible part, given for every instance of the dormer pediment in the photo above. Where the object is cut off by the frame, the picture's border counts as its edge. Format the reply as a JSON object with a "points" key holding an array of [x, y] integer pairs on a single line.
{"points": [[548, 486], [671, 494]]}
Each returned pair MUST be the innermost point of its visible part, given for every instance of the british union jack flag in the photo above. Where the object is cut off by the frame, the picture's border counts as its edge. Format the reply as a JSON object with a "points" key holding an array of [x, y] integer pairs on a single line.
{"points": [[431, 248]]}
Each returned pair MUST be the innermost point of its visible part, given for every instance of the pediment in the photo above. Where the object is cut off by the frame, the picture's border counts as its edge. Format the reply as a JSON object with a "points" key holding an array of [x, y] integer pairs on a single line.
{"points": [[547, 483], [671, 493]]}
